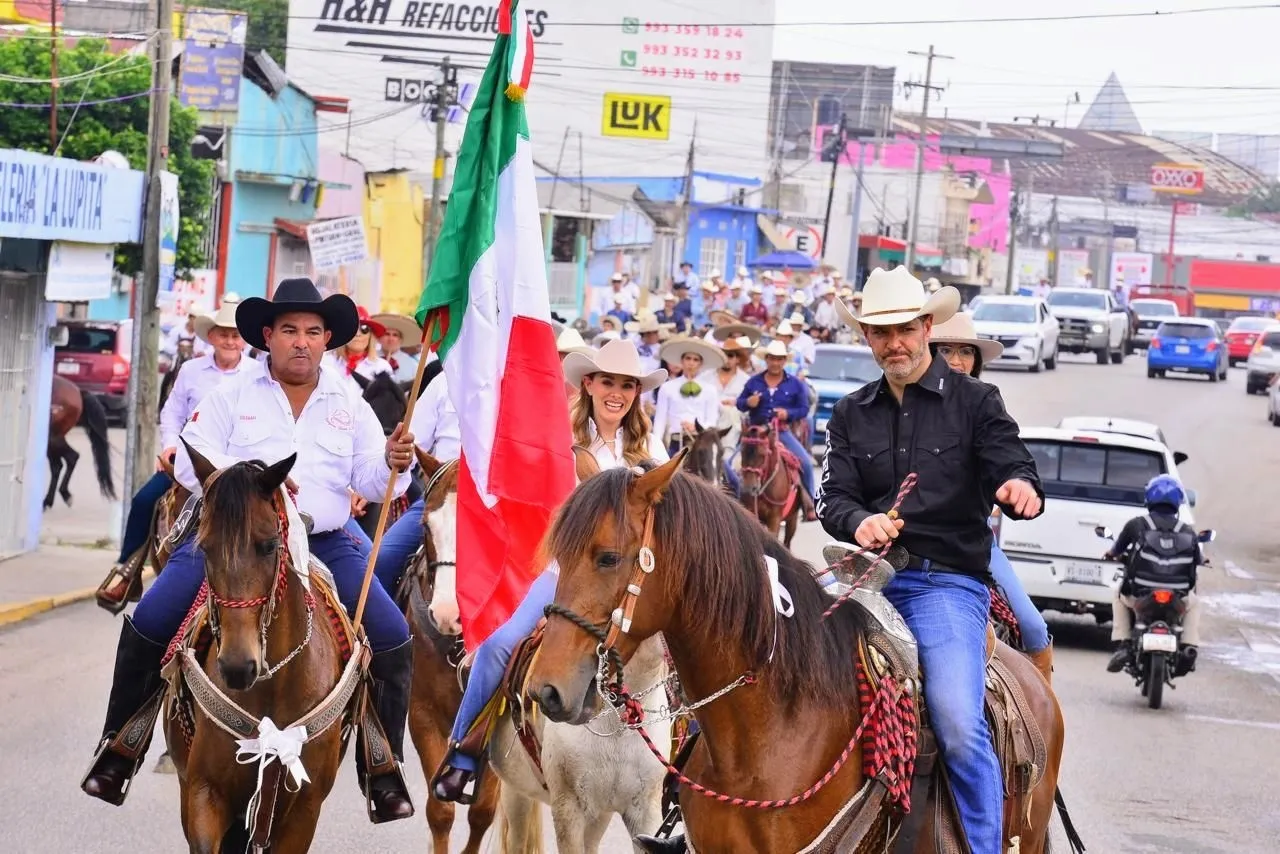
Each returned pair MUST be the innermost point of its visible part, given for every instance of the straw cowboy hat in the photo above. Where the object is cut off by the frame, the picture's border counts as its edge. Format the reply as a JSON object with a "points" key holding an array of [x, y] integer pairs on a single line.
{"points": [[932, 284], [776, 348], [644, 324], [674, 350], [570, 341], [720, 317], [293, 295], [959, 330], [740, 344], [784, 327], [610, 320], [737, 330], [410, 331], [891, 297], [205, 323], [604, 338], [797, 321], [617, 357]]}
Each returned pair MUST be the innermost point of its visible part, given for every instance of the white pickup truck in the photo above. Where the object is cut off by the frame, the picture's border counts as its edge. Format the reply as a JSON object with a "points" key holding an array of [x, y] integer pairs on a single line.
{"points": [[1091, 321], [1090, 478]]}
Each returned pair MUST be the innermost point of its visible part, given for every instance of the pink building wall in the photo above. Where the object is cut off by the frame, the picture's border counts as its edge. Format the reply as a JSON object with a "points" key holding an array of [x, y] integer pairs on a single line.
{"points": [[341, 170]]}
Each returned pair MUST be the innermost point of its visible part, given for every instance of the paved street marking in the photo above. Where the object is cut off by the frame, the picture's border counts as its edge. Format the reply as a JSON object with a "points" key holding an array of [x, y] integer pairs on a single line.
{"points": [[1235, 571], [1261, 642], [1234, 722]]}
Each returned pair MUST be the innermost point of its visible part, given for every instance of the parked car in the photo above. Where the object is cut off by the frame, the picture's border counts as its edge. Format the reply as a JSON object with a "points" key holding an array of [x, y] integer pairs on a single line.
{"points": [[1188, 345], [1264, 360], [837, 370], [1091, 321], [96, 358], [1242, 334], [1273, 404], [1024, 325], [1150, 313], [1090, 479]]}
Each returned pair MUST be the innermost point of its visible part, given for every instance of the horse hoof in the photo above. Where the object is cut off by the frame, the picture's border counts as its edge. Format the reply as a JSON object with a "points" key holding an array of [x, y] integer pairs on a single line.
{"points": [[164, 765]]}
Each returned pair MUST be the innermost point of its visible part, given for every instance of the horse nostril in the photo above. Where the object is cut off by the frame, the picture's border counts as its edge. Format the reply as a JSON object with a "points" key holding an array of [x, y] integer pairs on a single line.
{"points": [[239, 676], [549, 699]]}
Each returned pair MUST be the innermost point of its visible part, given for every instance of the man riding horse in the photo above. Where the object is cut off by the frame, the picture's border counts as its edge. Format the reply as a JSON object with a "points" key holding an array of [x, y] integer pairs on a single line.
{"points": [[773, 395], [195, 380], [292, 407], [953, 431]]}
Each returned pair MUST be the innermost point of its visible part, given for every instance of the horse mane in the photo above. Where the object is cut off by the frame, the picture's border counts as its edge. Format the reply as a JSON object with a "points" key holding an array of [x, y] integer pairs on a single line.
{"points": [[710, 558], [228, 503]]}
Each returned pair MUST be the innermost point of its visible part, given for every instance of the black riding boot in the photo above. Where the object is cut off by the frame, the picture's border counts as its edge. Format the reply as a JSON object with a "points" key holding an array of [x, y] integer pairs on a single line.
{"points": [[653, 845], [136, 680], [392, 673], [1121, 657]]}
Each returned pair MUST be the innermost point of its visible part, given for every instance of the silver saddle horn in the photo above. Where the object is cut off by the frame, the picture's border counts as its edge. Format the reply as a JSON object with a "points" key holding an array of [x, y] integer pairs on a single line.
{"points": [[881, 573]]}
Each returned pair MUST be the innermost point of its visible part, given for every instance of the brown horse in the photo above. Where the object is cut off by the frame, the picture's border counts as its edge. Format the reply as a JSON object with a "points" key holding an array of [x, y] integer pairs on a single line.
{"points": [[69, 405], [768, 490], [706, 454], [776, 690], [259, 613], [431, 608]]}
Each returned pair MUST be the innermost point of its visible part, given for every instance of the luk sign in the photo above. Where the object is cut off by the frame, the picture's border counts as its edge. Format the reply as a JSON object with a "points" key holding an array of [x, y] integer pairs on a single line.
{"points": [[636, 116], [1179, 178]]}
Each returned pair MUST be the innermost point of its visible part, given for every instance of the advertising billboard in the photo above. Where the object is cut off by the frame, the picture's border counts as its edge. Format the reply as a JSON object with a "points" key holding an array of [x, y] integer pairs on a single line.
{"points": [[634, 79]]}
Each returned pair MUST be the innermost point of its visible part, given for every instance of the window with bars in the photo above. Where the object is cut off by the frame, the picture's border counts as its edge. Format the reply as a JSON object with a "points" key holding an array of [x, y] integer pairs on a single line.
{"points": [[712, 253]]}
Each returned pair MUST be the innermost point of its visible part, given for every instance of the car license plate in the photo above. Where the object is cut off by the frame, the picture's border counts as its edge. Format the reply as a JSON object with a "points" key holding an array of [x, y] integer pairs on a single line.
{"points": [[1182, 348], [1082, 573], [822, 425], [1155, 642], [68, 368]]}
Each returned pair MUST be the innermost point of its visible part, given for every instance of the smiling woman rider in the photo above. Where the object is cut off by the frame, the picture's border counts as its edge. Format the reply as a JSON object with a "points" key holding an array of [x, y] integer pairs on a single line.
{"points": [[958, 344], [608, 422]]}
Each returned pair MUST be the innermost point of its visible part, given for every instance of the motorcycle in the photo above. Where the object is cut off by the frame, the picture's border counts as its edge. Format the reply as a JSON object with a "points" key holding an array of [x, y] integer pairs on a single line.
{"points": [[1159, 655]]}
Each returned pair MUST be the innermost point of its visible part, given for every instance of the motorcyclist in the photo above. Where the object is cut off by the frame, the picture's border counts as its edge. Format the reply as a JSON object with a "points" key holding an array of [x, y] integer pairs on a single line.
{"points": [[1173, 568]]}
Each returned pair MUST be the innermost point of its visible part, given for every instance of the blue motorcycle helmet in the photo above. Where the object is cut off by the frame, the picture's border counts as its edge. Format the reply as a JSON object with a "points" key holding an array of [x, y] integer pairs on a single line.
{"points": [[1165, 491]]}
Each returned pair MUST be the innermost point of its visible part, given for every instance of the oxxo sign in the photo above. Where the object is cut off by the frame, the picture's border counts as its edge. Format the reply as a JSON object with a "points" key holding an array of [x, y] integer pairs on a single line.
{"points": [[1180, 178]]}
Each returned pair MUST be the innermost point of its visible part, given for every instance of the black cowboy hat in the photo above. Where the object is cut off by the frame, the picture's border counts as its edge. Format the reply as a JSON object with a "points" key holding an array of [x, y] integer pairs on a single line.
{"points": [[338, 312]]}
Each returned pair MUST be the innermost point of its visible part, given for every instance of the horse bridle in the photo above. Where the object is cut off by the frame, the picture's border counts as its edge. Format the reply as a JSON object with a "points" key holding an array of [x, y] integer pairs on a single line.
{"points": [[455, 652], [768, 465]]}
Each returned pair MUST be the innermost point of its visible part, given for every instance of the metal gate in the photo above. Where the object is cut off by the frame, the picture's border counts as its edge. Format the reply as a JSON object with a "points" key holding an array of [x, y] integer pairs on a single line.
{"points": [[21, 332]]}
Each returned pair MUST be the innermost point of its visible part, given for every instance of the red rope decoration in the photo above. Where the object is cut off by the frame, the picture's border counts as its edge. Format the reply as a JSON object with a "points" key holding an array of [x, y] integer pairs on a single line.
{"points": [[1002, 613]]}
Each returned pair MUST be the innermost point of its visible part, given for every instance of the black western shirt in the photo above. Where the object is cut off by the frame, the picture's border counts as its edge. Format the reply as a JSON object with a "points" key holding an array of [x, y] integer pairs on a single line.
{"points": [[954, 433]]}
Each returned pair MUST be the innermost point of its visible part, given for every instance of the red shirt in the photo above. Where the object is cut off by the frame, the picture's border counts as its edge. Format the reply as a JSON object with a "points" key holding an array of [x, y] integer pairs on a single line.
{"points": [[757, 313]]}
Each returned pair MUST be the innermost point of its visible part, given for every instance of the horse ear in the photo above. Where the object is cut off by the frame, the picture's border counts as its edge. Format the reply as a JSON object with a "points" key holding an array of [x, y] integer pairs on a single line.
{"points": [[585, 463], [724, 432], [430, 465], [361, 381], [651, 486], [203, 468], [697, 426], [275, 475]]}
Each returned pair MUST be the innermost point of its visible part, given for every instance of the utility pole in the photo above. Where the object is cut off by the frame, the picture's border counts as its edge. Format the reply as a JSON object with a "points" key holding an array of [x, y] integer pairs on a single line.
{"points": [[855, 230], [53, 77], [443, 100], [922, 139], [686, 195], [833, 149], [1015, 214], [144, 374], [1055, 237]]}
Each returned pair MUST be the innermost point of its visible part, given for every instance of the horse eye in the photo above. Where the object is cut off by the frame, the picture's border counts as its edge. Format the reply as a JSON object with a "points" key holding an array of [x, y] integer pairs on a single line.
{"points": [[265, 548], [608, 560]]}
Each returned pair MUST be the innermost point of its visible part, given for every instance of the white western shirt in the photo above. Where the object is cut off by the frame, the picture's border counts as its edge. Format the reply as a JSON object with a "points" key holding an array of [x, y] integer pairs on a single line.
{"points": [[674, 409], [337, 438], [435, 422], [195, 380]]}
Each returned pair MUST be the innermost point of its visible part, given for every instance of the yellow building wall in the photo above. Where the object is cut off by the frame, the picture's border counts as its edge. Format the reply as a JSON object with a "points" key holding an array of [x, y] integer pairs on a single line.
{"points": [[393, 224]]}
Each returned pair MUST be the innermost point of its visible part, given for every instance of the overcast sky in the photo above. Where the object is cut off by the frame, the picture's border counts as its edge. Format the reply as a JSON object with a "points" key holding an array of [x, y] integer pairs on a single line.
{"points": [[1003, 70]]}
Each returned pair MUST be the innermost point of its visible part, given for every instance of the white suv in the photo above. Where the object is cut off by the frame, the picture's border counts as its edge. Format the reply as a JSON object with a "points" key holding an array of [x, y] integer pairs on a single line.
{"points": [[1264, 360], [1091, 478], [1024, 326]]}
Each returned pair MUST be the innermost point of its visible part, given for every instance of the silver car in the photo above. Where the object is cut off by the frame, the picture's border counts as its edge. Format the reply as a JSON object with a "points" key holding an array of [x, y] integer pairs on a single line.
{"points": [[1264, 361]]}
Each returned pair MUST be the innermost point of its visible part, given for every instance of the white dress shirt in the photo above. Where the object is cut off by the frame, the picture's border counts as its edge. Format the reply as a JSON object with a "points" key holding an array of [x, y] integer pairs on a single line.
{"points": [[337, 438], [195, 380], [435, 422], [405, 367], [804, 344], [825, 315], [674, 409]]}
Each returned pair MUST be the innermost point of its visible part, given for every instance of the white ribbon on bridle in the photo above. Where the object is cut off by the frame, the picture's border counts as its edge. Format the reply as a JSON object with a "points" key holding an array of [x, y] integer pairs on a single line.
{"points": [[782, 603], [284, 746], [299, 549]]}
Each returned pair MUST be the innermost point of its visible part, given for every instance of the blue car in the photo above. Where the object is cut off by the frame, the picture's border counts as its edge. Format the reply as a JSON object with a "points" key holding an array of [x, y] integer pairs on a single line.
{"points": [[838, 370], [1188, 345]]}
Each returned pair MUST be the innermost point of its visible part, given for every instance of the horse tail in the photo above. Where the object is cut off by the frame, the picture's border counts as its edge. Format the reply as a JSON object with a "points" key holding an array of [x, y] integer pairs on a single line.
{"points": [[93, 417], [519, 823]]}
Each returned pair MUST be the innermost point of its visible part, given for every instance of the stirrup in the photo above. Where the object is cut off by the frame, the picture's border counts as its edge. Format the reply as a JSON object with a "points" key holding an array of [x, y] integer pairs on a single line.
{"points": [[103, 752], [378, 761], [128, 576]]}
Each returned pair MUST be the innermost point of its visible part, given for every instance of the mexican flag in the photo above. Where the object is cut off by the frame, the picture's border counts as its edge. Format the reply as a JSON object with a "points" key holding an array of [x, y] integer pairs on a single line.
{"points": [[487, 313]]}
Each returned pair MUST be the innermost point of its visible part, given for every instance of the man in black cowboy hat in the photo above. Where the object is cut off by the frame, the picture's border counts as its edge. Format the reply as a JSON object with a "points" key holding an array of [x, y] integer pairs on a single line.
{"points": [[292, 407]]}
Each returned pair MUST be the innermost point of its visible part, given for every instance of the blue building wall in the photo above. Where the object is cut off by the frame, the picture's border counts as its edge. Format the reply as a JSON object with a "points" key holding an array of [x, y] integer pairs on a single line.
{"points": [[736, 226], [114, 307]]}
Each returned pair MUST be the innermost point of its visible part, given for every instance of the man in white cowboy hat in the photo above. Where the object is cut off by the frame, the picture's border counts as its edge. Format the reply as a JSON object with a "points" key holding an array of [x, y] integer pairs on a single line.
{"points": [[647, 331], [197, 377], [953, 432], [799, 305], [399, 331], [825, 316], [570, 341], [803, 342], [607, 299], [773, 395], [781, 302], [667, 314], [185, 331], [736, 299], [755, 312], [690, 399], [620, 310], [785, 333]]}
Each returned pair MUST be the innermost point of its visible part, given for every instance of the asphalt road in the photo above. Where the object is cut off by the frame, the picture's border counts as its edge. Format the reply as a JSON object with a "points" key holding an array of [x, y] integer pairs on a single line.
{"points": [[1195, 777]]}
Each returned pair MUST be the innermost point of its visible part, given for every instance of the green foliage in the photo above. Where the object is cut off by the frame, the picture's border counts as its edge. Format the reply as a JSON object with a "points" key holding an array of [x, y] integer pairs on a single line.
{"points": [[86, 129], [268, 23], [1265, 200]]}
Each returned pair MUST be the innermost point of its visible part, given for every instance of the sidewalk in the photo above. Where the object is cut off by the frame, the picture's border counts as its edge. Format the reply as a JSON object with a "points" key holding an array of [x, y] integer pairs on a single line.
{"points": [[50, 577]]}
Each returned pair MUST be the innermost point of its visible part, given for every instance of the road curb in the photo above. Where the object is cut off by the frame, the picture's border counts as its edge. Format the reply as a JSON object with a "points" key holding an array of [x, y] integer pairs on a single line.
{"points": [[12, 613]]}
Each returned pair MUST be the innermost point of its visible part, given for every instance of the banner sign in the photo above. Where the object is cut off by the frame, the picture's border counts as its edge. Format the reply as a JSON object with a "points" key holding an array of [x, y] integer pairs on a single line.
{"points": [[52, 198], [1179, 178], [79, 271], [212, 61], [336, 242]]}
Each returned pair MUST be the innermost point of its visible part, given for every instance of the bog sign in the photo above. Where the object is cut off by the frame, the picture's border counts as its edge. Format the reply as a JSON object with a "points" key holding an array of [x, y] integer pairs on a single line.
{"points": [[1180, 178], [806, 239]]}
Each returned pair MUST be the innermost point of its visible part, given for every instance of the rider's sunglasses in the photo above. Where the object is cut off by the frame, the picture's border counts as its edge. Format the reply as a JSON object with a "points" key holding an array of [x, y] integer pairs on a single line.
{"points": [[964, 351], [364, 329]]}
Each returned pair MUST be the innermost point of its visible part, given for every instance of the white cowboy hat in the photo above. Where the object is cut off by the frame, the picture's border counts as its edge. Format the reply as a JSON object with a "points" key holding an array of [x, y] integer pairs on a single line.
{"points": [[709, 285], [714, 274], [674, 350], [826, 289], [647, 323], [959, 330], [604, 338], [226, 318], [777, 348], [891, 297], [784, 328], [610, 320], [737, 330], [835, 274], [669, 298], [743, 272], [616, 277], [619, 298], [797, 296], [755, 289], [767, 276], [617, 357], [932, 284], [798, 322], [410, 331], [735, 285], [570, 341]]}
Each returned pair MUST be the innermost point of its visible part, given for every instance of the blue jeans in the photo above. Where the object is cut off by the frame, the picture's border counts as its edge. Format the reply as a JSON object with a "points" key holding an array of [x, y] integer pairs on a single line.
{"points": [[1035, 632], [159, 615], [802, 453], [731, 477], [141, 509], [398, 545], [353, 530], [491, 661], [947, 612]]}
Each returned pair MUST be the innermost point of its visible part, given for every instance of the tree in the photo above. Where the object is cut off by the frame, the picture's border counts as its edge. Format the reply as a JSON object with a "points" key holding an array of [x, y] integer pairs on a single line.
{"points": [[268, 23], [103, 105], [1263, 203]]}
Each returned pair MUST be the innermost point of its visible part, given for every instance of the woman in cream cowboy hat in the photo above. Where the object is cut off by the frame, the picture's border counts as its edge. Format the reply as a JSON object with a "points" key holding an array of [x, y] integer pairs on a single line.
{"points": [[608, 421], [691, 398], [957, 342]]}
